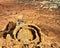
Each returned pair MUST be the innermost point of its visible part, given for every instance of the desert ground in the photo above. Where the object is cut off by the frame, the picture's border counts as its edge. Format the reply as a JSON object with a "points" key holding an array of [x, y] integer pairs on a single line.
{"points": [[47, 20]]}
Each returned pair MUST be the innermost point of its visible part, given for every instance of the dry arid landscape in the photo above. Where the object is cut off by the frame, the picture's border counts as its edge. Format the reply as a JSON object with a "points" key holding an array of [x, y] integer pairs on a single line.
{"points": [[29, 24]]}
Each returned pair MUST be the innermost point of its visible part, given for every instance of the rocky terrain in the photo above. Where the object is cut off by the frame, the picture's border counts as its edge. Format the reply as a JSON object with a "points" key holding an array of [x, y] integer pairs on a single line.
{"points": [[45, 17]]}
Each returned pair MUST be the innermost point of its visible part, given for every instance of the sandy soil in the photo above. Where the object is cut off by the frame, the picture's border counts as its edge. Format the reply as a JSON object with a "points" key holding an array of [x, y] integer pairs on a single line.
{"points": [[47, 21]]}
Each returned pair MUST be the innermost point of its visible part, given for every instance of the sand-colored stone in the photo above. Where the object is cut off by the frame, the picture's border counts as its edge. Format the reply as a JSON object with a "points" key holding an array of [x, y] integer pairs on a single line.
{"points": [[47, 21]]}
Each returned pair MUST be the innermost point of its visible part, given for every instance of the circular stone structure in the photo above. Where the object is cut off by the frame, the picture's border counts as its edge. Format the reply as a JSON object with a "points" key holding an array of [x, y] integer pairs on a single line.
{"points": [[27, 33]]}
